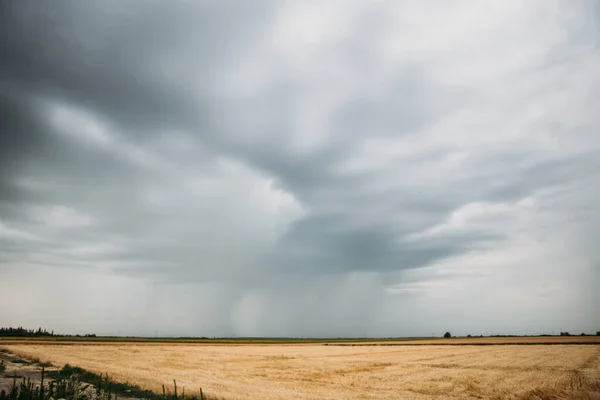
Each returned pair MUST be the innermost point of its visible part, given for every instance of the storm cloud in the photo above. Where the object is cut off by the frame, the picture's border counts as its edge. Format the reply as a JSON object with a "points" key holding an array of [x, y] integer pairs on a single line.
{"points": [[300, 168]]}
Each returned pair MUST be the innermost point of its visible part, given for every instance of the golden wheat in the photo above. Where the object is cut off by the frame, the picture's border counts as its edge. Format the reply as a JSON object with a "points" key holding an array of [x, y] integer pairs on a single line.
{"points": [[343, 372]]}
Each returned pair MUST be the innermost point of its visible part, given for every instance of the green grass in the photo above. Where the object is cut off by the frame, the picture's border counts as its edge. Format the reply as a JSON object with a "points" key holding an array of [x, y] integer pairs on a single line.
{"points": [[73, 383], [69, 389], [191, 340], [19, 361], [128, 389]]}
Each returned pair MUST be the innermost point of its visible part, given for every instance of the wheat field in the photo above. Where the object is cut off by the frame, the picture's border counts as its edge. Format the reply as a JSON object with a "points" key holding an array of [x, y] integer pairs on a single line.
{"points": [[315, 371]]}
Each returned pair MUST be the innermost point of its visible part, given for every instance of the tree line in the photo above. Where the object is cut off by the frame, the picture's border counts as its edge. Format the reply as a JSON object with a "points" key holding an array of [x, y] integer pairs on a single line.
{"points": [[22, 332]]}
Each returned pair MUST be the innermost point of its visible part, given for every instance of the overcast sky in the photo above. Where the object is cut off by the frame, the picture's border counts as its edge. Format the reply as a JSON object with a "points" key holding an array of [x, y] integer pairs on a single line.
{"points": [[300, 168]]}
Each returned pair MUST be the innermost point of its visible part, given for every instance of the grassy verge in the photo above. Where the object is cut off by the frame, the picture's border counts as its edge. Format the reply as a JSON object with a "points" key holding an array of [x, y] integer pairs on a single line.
{"points": [[125, 389], [185, 340], [74, 383]]}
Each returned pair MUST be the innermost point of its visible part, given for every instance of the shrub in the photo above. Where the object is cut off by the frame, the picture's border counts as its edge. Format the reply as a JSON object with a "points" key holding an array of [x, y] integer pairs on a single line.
{"points": [[26, 390], [447, 335]]}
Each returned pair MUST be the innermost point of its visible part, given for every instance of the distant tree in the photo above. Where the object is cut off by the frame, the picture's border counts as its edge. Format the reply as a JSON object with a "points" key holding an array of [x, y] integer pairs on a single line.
{"points": [[582, 334], [469, 336], [447, 335], [598, 333], [20, 331]]}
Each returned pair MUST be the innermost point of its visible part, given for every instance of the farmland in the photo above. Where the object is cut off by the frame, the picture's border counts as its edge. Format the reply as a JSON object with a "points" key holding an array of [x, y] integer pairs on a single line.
{"points": [[364, 370]]}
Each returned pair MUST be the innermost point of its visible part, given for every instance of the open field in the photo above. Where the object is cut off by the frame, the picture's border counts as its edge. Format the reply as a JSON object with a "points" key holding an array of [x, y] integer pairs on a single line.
{"points": [[525, 340], [111, 339], [312, 371], [496, 340]]}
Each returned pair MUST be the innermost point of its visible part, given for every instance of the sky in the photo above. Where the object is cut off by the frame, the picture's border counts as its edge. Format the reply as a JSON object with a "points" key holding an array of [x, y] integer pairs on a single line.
{"points": [[300, 168]]}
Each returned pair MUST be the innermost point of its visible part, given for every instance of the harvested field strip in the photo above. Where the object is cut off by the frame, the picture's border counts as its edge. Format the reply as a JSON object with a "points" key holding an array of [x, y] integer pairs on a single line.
{"points": [[341, 372], [474, 341]]}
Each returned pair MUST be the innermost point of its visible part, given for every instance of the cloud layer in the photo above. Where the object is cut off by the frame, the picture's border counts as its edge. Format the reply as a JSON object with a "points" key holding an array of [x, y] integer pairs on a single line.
{"points": [[299, 168]]}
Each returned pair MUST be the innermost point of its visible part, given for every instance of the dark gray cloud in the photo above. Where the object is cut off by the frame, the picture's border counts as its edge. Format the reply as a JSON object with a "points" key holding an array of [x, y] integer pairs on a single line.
{"points": [[291, 169]]}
